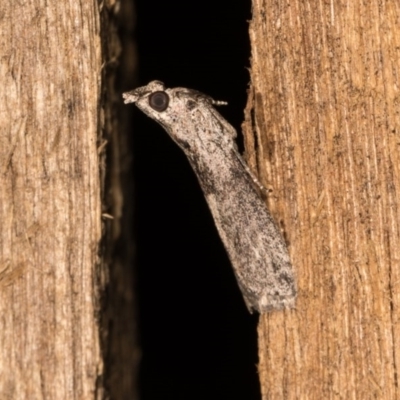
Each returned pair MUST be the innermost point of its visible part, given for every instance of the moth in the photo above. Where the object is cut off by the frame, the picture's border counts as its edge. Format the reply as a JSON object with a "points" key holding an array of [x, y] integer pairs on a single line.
{"points": [[253, 242]]}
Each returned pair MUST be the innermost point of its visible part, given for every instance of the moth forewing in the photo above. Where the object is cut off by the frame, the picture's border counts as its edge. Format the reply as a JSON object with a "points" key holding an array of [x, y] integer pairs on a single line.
{"points": [[253, 242]]}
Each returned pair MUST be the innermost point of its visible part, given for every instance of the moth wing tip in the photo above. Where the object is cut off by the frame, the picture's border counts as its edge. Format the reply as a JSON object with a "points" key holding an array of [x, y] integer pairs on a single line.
{"points": [[267, 304]]}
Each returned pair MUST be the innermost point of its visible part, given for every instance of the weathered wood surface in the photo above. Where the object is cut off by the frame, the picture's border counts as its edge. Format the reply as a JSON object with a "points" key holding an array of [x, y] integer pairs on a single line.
{"points": [[50, 203], [322, 130]]}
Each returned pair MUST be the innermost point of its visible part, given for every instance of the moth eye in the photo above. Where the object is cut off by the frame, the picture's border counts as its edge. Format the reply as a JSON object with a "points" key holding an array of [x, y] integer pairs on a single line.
{"points": [[159, 101]]}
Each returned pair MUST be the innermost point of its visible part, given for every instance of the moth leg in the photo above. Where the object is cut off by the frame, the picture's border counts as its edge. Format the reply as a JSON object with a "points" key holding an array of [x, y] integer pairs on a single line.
{"points": [[248, 170]]}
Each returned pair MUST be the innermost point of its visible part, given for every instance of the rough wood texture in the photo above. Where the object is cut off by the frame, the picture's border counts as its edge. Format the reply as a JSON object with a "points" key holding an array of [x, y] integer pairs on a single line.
{"points": [[50, 208], [322, 129]]}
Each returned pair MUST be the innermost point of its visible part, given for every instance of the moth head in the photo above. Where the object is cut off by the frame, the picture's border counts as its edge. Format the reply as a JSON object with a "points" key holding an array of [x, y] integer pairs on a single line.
{"points": [[163, 104], [177, 110], [153, 99]]}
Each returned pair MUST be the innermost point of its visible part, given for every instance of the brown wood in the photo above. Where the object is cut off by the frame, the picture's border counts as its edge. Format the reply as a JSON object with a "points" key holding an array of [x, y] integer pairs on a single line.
{"points": [[322, 130], [52, 267]]}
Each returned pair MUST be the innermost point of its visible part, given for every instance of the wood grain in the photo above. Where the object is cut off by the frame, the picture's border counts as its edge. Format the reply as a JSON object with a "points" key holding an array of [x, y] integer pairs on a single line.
{"points": [[322, 130], [50, 203]]}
